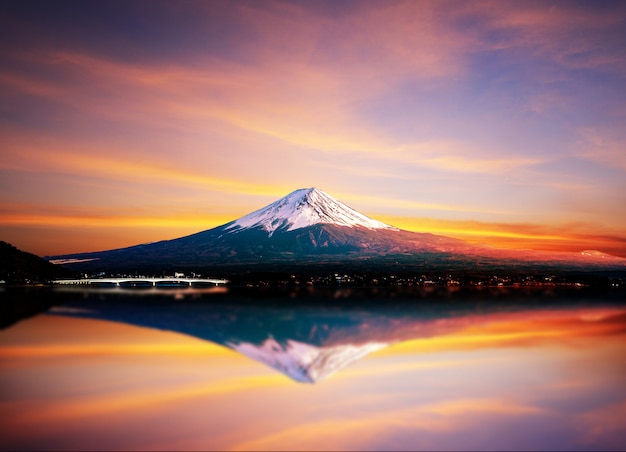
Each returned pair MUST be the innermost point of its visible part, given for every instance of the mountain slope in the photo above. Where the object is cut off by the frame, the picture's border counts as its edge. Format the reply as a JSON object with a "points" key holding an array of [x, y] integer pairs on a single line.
{"points": [[18, 266], [308, 227]]}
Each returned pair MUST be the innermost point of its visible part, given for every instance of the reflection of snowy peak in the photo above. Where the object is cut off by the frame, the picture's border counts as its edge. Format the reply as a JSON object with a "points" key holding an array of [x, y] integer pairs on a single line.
{"points": [[304, 362], [302, 208]]}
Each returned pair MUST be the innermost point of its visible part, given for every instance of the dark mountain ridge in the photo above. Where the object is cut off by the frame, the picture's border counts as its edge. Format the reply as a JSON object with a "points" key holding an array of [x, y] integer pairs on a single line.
{"points": [[18, 267]]}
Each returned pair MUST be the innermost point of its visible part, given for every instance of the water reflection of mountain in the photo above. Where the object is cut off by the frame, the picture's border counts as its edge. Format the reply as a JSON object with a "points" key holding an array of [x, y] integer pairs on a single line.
{"points": [[308, 336]]}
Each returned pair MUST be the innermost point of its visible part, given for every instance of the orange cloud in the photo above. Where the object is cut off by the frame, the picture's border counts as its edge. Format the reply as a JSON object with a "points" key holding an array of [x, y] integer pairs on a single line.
{"points": [[119, 164], [569, 237], [63, 218], [292, 100], [457, 156], [307, 91]]}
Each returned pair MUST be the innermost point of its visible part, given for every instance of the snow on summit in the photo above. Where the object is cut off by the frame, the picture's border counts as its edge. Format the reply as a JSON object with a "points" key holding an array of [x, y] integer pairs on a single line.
{"points": [[302, 208]]}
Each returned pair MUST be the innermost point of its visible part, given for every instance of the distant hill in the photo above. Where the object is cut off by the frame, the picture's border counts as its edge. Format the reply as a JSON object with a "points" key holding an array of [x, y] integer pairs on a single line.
{"points": [[17, 267]]}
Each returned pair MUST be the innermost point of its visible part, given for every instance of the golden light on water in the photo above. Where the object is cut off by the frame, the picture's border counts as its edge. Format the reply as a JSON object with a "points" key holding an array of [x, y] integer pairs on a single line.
{"points": [[128, 385]]}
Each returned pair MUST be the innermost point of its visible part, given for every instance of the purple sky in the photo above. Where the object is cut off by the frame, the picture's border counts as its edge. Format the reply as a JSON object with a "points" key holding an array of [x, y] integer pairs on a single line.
{"points": [[498, 122]]}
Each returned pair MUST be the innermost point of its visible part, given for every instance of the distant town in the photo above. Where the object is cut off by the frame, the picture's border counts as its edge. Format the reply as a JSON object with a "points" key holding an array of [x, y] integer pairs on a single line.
{"points": [[21, 268], [357, 279]]}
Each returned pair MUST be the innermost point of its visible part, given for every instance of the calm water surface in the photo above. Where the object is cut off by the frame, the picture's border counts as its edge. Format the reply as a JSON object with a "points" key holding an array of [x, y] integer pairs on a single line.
{"points": [[337, 370]]}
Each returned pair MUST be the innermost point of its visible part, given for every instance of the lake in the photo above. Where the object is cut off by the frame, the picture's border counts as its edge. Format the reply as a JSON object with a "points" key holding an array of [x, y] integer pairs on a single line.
{"points": [[333, 369]]}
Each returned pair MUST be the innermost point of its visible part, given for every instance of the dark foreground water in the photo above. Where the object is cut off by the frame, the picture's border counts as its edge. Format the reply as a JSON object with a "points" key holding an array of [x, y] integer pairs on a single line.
{"points": [[312, 370]]}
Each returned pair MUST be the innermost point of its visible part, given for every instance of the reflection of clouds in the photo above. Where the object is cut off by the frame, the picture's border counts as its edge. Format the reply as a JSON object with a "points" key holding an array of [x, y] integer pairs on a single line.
{"points": [[602, 427], [468, 406], [437, 426], [478, 389], [329, 338], [524, 329], [433, 411]]}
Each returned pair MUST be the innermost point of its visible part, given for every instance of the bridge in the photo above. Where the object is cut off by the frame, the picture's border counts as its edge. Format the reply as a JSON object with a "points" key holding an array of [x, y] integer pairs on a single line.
{"points": [[142, 282]]}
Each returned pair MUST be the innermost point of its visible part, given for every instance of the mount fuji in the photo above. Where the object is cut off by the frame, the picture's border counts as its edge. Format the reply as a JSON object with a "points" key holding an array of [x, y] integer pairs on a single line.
{"points": [[307, 228]]}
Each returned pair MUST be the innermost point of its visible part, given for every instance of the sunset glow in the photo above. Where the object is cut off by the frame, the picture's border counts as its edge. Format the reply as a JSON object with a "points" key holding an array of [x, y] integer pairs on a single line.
{"points": [[495, 122]]}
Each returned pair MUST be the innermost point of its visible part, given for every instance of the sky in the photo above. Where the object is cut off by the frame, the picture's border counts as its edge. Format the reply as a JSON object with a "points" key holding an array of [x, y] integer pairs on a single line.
{"points": [[125, 122]]}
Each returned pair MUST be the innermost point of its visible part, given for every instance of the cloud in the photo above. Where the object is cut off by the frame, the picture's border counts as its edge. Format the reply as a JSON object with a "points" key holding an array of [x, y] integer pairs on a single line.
{"points": [[48, 154], [603, 147], [574, 35], [443, 106], [568, 236], [301, 81], [460, 157]]}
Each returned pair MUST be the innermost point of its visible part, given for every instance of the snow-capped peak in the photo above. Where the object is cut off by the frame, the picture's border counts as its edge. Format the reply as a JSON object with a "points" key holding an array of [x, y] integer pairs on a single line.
{"points": [[302, 208]]}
